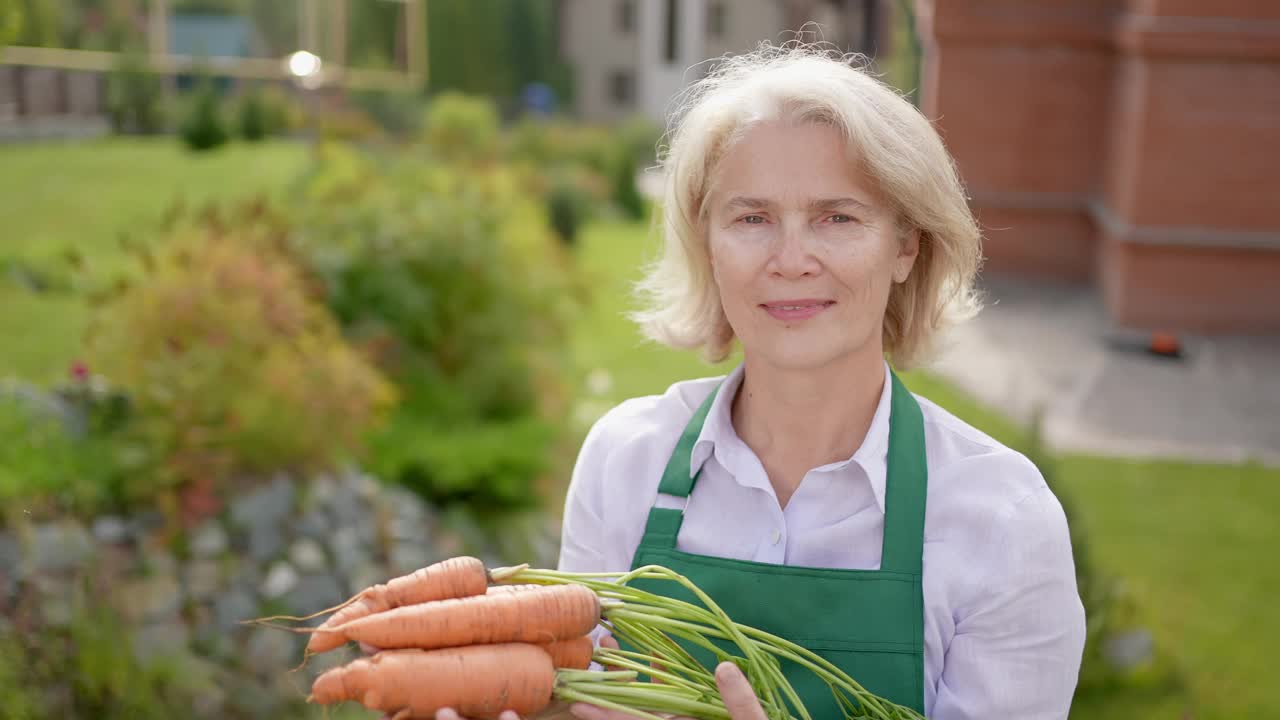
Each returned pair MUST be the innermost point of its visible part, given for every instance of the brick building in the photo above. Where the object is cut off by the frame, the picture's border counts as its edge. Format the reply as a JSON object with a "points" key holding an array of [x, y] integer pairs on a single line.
{"points": [[1134, 144]]}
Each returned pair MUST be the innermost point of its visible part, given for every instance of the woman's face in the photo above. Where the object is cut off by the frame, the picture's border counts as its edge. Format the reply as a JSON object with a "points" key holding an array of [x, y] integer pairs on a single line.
{"points": [[802, 248]]}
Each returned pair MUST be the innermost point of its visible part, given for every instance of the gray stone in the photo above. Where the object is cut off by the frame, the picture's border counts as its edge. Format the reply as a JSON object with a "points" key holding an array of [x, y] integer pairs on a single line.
{"points": [[233, 606], [271, 652], [59, 546], [321, 490], [314, 593], [267, 506], [158, 641], [146, 522], [10, 566], [346, 508], [348, 552], [405, 504], [58, 597], [265, 542], [251, 699], [314, 525], [209, 540], [408, 530], [160, 562], [409, 556], [367, 576], [202, 578], [280, 579], [307, 555], [150, 598], [111, 530], [1128, 650]]}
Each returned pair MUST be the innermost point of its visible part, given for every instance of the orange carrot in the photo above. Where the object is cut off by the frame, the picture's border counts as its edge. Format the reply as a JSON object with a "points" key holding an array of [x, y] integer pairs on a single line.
{"points": [[478, 681], [574, 654], [452, 578], [543, 614]]}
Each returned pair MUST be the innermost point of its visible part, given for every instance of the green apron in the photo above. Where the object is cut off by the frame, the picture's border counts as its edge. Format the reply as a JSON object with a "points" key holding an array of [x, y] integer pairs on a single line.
{"points": [[870, 623]]}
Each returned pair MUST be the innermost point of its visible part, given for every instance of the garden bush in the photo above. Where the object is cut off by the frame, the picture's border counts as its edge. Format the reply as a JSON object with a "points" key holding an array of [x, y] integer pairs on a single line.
{"points": [[254, 121], [233, 364], [462, 128], [204, 127], [451, 279], [67, 450], [135, 96], [398, 112]]}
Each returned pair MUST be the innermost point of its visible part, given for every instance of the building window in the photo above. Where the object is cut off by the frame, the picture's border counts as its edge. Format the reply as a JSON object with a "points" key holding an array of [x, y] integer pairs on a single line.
{"points": [[718, 19], [627, 16], [622, 87], [672, 45]]}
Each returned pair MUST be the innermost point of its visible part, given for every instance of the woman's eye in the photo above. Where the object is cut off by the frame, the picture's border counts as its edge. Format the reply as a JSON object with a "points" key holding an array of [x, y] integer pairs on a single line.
{"points": [[841, 219], [753, 220]]}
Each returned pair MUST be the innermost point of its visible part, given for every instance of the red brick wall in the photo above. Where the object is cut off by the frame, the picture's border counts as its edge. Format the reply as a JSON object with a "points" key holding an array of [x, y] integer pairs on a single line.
{"points": [[1133, 142]]}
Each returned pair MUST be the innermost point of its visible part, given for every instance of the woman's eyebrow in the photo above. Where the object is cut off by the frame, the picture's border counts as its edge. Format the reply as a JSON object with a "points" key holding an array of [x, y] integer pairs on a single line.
{"points": [[739, 202], [837, 203]]}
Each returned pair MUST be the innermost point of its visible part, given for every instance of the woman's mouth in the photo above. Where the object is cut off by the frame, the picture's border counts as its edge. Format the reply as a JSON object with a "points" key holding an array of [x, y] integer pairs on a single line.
{"points": [[792, 310]]}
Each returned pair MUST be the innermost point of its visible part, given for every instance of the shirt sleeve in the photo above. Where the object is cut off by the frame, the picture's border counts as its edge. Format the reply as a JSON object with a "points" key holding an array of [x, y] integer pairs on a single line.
{"points": [[1017, 647], [583, 536]]}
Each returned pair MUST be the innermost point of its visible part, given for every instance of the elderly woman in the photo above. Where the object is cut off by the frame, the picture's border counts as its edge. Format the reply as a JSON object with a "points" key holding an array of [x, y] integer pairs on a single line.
{"points": [[814, 216]]}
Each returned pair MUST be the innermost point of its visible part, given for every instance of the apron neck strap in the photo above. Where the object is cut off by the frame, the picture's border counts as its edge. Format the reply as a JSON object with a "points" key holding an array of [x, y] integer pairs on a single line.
{"points": [[905, 484]]}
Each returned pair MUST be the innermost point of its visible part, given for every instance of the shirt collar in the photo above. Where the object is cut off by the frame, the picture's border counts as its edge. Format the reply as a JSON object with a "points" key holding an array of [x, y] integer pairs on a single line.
{"points": [[719, 438]]}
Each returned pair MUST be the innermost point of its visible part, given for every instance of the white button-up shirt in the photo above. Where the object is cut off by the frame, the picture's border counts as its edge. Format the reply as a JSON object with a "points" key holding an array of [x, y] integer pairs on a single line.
{"points": [[1003, 624]]}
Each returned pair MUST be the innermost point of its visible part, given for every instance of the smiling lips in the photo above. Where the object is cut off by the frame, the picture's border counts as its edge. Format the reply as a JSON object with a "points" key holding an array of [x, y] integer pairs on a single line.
{"points": [[796, 309]]}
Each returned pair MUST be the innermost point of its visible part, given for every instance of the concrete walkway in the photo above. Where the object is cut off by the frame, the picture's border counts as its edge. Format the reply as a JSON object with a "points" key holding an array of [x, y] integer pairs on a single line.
{"points": [[1043, 345]]}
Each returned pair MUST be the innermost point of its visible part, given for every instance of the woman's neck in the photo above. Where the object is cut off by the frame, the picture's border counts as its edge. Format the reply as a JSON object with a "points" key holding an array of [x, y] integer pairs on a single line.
{"points": [[796, 420]]}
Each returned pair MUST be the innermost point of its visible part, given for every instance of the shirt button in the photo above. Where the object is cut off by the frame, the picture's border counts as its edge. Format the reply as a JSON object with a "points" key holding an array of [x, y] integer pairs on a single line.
{"points": [[777, 537]]}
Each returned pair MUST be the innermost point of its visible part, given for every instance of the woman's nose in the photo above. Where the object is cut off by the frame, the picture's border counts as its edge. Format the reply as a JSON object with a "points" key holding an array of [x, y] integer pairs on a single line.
{"points": [[793, 253]]}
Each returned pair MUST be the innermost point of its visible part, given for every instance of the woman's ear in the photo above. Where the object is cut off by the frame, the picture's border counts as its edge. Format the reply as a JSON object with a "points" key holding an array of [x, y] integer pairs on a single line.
{"points": [[908, 251]]}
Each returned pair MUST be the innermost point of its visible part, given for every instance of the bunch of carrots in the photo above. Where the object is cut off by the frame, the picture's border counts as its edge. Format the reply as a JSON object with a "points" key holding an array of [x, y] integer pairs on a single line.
{"points": [[480, 641]]}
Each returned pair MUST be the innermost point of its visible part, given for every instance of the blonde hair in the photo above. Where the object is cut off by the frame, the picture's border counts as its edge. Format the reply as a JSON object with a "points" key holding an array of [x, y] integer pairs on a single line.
{"points": [[899, 150]]}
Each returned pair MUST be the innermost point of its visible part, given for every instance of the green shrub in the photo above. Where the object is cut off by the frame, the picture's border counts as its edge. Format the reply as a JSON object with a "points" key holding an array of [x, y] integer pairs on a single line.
{"points": [[254, 120], [233, 364], [640, 138], [66, 452], [489, 465], [204, 127], [399, 112], [135, 96], [625, 192], [450, 277], [462, 128], [569, 206]]}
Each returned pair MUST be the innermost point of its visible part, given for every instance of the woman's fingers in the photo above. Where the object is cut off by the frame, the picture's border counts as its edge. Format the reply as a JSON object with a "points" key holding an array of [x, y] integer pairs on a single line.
{"points": [[368, 649], [608, 642], [451, 714], [739, 699]]}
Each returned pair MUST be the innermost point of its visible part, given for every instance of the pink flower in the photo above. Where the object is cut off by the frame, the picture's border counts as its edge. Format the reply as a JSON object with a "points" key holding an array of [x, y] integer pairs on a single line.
{"points": [[80, 370]]}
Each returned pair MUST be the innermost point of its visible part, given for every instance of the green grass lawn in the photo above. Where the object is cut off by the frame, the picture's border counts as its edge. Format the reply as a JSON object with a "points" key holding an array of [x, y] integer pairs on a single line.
{"points": [[59, 197], [1194, 543]]}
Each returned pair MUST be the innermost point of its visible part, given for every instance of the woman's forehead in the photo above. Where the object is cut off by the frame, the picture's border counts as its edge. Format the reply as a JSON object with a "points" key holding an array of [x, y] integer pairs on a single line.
{"points": [[778, 163]]}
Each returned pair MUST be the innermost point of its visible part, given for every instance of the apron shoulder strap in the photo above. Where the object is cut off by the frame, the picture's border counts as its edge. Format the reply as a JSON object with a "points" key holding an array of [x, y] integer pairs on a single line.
{"points": [[678, 478], [663, 525], [906, 485]]}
